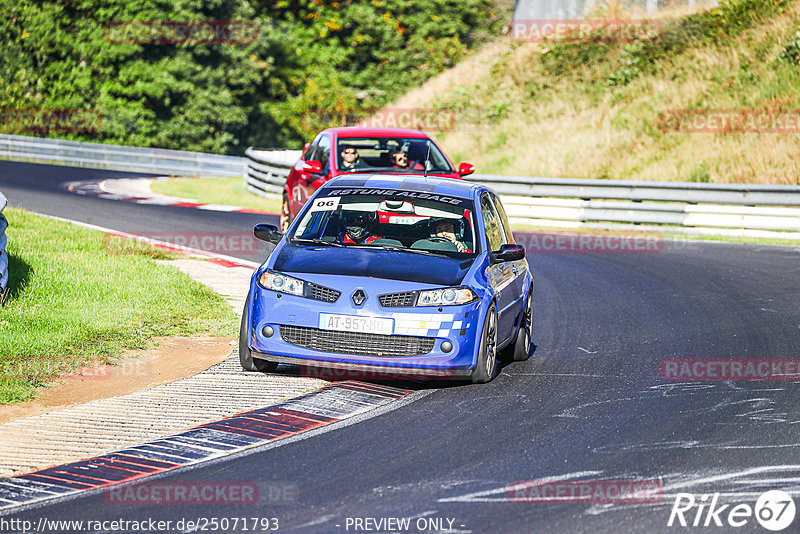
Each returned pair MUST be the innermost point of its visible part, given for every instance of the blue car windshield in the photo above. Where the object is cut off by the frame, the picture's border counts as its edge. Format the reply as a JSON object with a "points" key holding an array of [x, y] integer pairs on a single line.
{"points": [[382, 154], [409, 221]]}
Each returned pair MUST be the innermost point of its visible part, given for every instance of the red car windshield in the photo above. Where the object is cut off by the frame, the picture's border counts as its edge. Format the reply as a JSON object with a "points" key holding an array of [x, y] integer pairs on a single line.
{"points": [[381, 154]]}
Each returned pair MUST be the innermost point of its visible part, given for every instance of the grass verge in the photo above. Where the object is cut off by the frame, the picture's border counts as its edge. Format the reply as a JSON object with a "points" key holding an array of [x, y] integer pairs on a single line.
{"points": [[78, 297], [225, 191]]}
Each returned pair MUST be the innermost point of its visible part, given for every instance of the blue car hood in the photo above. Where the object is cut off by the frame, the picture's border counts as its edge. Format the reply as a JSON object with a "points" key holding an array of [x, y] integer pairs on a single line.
{"points": [[375, 263]]}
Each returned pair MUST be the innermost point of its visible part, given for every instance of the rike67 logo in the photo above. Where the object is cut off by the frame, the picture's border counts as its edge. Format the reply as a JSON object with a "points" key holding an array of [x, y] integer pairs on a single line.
{"points": [[774, 510]]}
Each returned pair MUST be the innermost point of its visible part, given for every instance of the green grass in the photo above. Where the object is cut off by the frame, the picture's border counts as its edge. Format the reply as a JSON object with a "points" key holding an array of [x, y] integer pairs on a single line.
{"points": [[226, 191], [78, 297]]}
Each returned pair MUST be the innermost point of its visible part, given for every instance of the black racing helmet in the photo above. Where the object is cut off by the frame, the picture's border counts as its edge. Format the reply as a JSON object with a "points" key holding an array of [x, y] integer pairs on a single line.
{"points": [[358, 224]]}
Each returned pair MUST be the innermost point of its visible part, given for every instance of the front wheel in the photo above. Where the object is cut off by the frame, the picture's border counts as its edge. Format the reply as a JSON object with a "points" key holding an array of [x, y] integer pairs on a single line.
{"points": [[486, 366], [522, 347], [246, 355], [286, 215]]}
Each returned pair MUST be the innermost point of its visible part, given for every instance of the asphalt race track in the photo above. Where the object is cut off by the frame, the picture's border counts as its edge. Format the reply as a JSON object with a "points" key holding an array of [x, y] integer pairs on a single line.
{"points": [[590, 404], [39, 188]]}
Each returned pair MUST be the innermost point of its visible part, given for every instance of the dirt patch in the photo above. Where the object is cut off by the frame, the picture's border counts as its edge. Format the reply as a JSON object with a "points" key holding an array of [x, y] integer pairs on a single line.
{"points": [[174, 358]]}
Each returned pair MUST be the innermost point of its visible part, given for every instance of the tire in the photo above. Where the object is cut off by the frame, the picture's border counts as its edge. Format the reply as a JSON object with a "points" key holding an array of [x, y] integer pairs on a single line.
{"points": [[286, 215], [245, 354], [486, 366], [522, 346]]}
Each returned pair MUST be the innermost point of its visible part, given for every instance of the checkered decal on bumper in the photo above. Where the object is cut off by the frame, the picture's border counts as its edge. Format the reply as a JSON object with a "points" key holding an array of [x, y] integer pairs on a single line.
{"points": [[430, 324]]}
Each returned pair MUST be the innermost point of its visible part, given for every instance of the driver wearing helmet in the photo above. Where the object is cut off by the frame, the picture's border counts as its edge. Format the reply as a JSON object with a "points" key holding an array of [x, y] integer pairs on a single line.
{"points": [[357, 229]]}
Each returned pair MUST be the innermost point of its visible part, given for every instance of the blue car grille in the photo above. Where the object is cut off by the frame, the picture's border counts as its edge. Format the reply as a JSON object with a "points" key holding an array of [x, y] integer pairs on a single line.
{"points": [[356, 343], [398, 300], [324, 294]]}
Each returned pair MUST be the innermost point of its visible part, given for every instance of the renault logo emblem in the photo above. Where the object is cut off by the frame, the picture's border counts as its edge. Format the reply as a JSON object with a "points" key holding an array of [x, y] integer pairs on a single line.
{"points": [[359, 297]]}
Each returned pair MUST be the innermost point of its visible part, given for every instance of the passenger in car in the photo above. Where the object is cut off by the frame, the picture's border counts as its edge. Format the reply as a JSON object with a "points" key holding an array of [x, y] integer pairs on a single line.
{"points": [[400, 161]]}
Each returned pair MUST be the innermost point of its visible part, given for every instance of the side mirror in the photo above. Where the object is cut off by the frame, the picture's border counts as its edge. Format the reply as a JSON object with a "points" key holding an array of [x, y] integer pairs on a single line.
{"points": [[267, 232], [312, 166], [465, 169], [508, 252]]}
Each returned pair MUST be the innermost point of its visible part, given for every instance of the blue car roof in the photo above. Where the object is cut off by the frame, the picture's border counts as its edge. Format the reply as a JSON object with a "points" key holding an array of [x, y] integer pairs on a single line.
{"points": [[441, 186]]}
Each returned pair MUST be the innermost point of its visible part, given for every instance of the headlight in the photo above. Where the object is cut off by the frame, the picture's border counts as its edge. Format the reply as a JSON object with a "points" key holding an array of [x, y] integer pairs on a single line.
{"points": [[281, 282], [451, 296]]}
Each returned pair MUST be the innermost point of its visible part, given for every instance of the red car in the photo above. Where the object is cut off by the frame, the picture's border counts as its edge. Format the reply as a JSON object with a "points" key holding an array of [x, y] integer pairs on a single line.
{"points": [[352, 150]]}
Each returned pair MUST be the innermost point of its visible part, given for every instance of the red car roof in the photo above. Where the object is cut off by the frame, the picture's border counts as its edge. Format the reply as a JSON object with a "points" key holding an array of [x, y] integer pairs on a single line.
{"points": [[347, 132]]}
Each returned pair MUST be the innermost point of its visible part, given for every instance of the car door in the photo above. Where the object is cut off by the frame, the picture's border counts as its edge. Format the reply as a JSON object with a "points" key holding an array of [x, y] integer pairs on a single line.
{"points": [[518, 268], [499, 275], [322, 153], [298, 186]]}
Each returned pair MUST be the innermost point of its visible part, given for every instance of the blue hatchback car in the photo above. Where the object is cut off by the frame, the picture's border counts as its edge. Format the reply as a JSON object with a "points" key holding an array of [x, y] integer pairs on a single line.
{"points": [[393, 276]]}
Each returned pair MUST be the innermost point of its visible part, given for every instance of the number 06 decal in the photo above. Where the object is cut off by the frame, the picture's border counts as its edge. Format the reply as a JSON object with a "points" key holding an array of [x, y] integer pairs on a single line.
{"points": [[325, 204]]}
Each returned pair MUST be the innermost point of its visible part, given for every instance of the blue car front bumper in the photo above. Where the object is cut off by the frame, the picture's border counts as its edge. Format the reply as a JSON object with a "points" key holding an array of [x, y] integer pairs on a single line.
{"points": [[415, 344]]}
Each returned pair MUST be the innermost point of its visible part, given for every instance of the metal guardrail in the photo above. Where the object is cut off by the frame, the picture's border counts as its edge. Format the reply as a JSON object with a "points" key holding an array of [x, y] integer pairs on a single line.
{"points": [[123, 158], [266, 171], [3, 242], [748, 209]]}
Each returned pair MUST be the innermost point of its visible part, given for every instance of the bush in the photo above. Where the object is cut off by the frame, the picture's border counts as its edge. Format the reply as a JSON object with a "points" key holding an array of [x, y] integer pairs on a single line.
{"points": [[791, 52], [311, 55]]}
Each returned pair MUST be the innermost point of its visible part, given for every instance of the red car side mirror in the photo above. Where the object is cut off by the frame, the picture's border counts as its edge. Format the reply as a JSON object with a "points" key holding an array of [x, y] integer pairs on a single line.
{"points": [[312, 166], [465, 169]]}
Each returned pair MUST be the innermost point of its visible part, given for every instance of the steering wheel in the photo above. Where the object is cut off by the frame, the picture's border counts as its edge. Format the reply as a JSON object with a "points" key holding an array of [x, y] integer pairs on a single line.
{"points": [[439, 239]]}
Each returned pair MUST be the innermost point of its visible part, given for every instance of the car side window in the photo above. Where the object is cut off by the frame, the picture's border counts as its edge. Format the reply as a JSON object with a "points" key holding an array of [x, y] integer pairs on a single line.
{"points": [[309, 155], [323, 153], [491, 224], [508, 236]]}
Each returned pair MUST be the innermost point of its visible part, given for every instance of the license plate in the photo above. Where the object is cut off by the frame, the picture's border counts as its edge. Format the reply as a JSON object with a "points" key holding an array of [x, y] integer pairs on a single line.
{"points": [[354, 323]]}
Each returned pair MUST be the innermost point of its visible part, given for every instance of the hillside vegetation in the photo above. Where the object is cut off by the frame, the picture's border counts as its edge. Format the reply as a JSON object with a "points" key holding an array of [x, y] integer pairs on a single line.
{"points": [[602, 110], [262, 86]]}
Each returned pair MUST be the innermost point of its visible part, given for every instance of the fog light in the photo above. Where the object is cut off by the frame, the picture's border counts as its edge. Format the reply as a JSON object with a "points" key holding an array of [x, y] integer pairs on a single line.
{"points": [[447, 346], [267, 331]]}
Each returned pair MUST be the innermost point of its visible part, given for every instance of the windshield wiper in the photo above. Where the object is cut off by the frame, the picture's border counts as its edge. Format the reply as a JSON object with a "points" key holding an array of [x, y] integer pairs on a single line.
{"points": [[365, 169], [318, 242], [403, 249]]}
